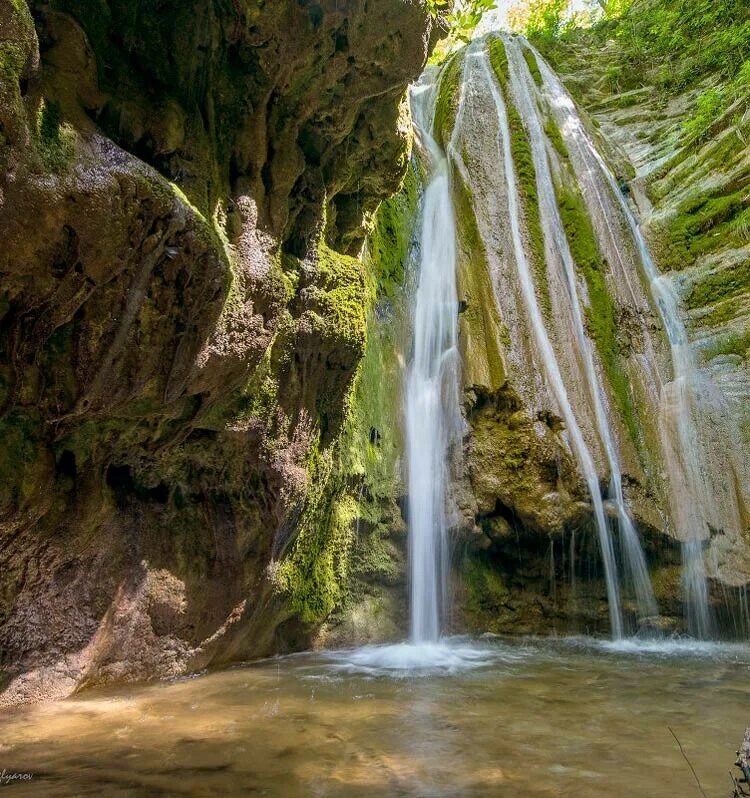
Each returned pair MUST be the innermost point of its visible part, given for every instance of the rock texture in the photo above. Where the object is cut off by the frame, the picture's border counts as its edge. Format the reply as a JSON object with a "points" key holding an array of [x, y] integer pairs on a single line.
{"points": [[691, 194], [530, 560], [181, 321]]}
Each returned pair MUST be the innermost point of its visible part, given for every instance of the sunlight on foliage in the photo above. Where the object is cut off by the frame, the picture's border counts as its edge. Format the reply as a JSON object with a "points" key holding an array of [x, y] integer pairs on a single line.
{"points": [[538, 19], [460, 22]]}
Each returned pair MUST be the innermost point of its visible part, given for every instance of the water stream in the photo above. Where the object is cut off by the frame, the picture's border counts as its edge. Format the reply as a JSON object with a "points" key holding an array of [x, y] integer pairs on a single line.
{"points": [[433, 418], [694, 503], [549, 358], [558, 251], [432, 414]]}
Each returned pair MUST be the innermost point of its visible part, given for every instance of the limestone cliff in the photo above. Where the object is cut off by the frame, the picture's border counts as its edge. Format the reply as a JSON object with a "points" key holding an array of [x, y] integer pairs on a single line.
{"points": [[181, 321], [531, 560]]}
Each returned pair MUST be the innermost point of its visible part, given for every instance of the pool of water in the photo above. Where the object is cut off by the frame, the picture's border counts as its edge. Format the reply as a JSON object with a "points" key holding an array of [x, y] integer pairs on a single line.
{"points": [[530, 717]]}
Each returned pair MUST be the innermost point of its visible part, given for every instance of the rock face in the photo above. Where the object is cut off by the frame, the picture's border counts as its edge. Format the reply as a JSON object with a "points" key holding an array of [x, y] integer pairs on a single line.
{"points": [[531, 561], [181, 321], [690, 188]]}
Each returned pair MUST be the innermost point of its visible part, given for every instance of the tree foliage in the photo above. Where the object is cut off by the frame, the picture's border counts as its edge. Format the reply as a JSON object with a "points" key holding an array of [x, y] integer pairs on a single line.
{"points": [[464, 16], [671, 45], [541, 20], [690, 38]]}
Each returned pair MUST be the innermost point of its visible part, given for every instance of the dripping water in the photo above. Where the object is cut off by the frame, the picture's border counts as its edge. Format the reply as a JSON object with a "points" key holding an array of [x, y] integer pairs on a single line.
{"points": [[689, 485]]}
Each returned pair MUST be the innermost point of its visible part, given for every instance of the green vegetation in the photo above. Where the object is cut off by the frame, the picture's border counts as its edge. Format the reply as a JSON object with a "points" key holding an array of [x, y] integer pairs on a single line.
{"points": [[540, 20], [313, 574], [553, 134], [463, 17], [533, 66], [601, 315], [389, 240], [446, 106], [54, 139], [525, 173], [733, 344], [702, 224], [720, 285], [482, 329], [342, 295], [666, 45], [683, 41], [353, 481], [708, 108], [487, 593]]}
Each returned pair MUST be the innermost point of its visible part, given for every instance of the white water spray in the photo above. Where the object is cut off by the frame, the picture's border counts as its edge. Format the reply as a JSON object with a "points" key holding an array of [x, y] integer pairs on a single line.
{"points": [[433, 419]]}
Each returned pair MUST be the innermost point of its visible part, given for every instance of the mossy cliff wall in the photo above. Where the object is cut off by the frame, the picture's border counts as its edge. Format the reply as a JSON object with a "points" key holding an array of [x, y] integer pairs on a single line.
{"points": [[668, 90], [527, 557], [184, 194]]}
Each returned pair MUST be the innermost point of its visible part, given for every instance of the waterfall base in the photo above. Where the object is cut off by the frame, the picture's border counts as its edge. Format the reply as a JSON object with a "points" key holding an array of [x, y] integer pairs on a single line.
{"points": [[448, 655]]}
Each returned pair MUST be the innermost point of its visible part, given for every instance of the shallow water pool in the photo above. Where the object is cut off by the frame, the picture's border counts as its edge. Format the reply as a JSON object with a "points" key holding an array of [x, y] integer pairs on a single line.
{"points": [[527, 718]]}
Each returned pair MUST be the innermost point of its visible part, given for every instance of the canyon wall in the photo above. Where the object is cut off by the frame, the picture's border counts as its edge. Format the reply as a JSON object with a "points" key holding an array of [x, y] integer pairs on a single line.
{"points": [[185, 191]]}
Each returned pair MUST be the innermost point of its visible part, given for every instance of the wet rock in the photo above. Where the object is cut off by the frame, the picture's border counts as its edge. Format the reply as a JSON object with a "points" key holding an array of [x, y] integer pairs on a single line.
{"points": [[177, 332]]}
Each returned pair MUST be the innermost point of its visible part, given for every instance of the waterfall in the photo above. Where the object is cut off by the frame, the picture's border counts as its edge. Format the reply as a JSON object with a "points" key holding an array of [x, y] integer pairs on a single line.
{"points": [[550, 364], [432, 412], [558, 250], [678, 405], [567, 368]]}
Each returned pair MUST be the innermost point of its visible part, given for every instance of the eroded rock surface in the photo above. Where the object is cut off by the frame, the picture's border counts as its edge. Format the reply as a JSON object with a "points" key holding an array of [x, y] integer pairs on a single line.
{"points": [[181, 320]]}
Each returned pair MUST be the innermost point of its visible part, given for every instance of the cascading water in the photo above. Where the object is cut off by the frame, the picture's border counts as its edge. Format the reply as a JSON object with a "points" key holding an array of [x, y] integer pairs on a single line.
{"points": [[692, 504], [433, 419], [558, 253], [564, 351], [550, 364]]}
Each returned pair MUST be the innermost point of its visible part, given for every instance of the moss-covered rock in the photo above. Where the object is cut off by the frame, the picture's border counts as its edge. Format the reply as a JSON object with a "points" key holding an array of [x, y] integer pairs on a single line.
{"points": [[481, 331], [182, 317], [523, 163]]}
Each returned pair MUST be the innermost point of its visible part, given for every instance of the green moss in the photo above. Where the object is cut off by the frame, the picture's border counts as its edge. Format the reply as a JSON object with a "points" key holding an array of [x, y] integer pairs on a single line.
{"points": [[523, 161], [389, 240], [724, 312], [499, 60], [12, 62], [554, 135], [342, 295], [355, 482], [54, 139], [533, 66], [355, 479], [14, 54], [370, 444], [348, 481], [715, 156], [720, 285], [732, 344], [709, 107], [487, 593], [482, 329], [700, 225], [601, 314], [449, 91], [313, 574]]}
